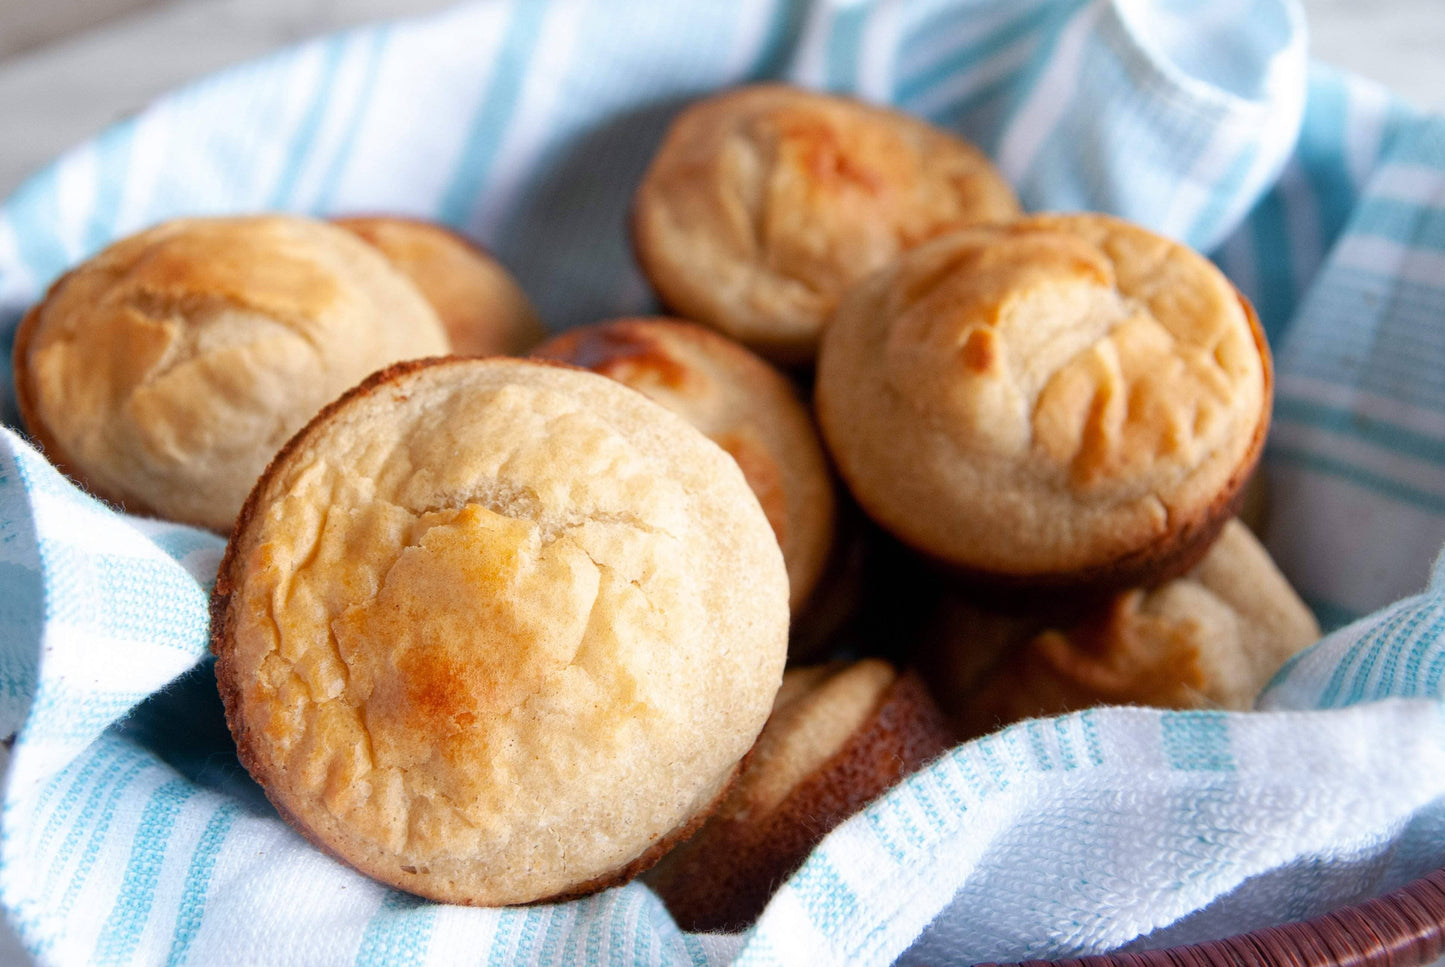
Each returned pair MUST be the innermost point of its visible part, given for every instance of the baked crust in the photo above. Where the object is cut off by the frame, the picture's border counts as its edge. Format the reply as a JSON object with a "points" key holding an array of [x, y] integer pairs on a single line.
{"points": [[742, 404], [492, 630], [1211, 639], [839, 737], [1065, 401], [765, 203], [163, 373], [484, 310]]}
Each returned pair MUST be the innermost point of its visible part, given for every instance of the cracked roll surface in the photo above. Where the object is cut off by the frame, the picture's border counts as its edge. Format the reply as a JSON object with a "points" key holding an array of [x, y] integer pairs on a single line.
{"points": [[484, 310], [742, 404], [494, 631], [839, 737], [765, 203], [165, 372], [1210, 639], [1065, 400]]}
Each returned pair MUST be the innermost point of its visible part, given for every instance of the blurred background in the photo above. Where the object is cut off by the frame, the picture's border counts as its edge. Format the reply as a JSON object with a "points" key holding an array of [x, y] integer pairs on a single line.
{"points": [[70, 67]]}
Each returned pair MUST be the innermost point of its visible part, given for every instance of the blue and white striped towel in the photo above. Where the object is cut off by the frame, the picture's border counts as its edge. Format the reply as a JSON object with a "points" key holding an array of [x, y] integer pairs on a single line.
{"points": [[130, 834]]}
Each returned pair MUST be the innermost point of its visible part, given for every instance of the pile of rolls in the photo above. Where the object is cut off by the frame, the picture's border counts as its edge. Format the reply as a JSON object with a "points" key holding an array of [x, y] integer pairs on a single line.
{"points": [[506, 618]]}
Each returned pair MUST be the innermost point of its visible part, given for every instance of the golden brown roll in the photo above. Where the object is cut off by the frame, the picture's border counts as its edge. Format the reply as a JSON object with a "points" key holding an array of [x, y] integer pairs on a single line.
{"points": [[765, 203], [839, 737], [743, 405], [494, 631], [166, 371], [1068, 400], [484, 310], [1210, 639]]}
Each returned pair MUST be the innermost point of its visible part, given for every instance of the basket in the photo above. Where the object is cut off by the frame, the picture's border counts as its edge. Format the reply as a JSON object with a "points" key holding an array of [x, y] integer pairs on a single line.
{"points": [[1404, 928]]}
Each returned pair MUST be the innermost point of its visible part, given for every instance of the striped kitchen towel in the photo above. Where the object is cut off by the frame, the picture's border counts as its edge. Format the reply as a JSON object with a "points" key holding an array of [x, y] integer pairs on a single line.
{"points": [[130, 832]]}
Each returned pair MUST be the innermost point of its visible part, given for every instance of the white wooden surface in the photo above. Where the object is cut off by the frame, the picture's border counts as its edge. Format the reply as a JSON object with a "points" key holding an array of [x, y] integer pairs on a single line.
{"points": [[30, 23], [69, 67], [58, 94]]}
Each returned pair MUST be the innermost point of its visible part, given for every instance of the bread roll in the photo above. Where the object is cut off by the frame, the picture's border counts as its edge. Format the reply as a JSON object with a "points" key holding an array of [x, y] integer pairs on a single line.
{"points": [[764, 204], [1210, 639], [839, 737], [484, 310], [496, 631], [165, 372], [1067, 400]]}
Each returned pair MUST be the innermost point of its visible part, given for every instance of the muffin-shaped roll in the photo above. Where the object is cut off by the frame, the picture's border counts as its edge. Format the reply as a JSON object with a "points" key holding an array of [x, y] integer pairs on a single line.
{"points": [[1068, 400], [1210, 639], [764, 204], [166, 371], [484, 310], [493, 631], [743, 405], [839, 737]]}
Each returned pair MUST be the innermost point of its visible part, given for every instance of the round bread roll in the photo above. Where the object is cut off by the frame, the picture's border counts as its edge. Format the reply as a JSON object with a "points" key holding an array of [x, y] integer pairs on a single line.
{"points": [[166, 371], [495, 631], [839, 737], [743, 405], [1210, 639], [1068, 400], [484, 310], [764, 204]]}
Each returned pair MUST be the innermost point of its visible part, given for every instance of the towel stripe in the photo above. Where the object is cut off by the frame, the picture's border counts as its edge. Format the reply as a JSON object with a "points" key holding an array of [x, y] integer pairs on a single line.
{"points": [[130, 913], [398, 933], [965, 60], [113, 155], [504, 87], [304, 136], [375, 47], [1377, 432], [192, 908], [845, 42]]}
